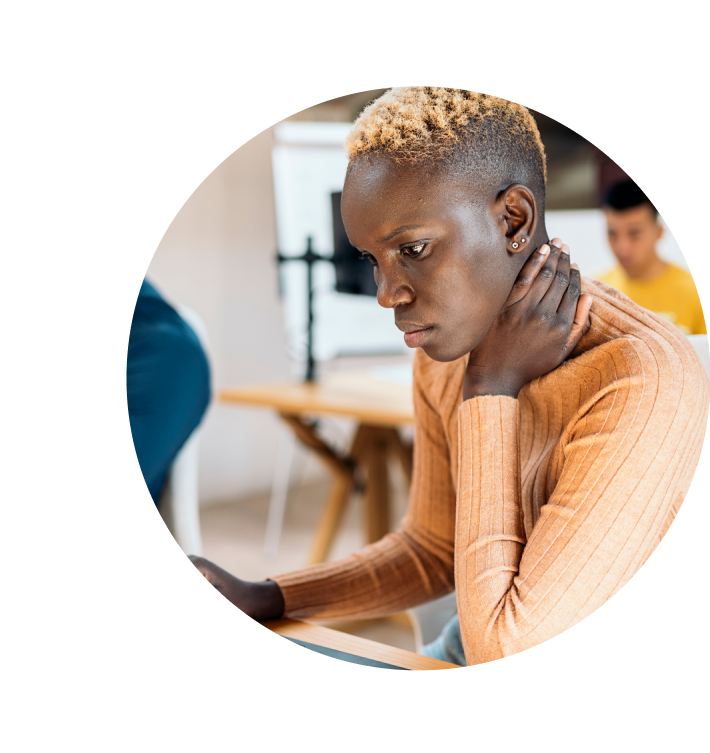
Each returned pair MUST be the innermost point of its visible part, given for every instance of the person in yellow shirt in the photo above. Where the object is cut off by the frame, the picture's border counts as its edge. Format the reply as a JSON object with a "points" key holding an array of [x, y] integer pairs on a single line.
{"points": [[633, 229]]}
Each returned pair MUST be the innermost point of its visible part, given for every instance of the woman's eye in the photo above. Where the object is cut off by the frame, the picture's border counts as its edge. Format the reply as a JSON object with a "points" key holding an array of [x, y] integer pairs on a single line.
{"points": [[411, 251], [414, 251]]}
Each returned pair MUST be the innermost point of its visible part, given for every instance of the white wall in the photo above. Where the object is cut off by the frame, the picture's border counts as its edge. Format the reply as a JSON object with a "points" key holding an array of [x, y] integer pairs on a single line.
{"points": [[309, 164], [584, 231]]}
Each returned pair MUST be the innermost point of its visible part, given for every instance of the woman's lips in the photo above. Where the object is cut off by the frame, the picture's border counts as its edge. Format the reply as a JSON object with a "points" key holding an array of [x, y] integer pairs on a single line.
{"points": [[416, 338]]}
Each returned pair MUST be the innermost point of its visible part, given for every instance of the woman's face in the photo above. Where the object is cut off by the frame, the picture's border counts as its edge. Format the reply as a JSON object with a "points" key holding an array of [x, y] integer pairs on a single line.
{"points": [[439, 252]]}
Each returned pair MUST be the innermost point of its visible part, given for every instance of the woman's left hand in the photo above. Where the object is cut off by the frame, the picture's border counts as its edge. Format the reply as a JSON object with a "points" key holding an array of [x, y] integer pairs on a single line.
{"points": [[544, 318]]}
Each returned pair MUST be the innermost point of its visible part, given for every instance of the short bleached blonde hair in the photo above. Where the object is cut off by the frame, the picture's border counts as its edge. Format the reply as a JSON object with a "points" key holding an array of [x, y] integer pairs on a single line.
{"points": [[491, 137]]}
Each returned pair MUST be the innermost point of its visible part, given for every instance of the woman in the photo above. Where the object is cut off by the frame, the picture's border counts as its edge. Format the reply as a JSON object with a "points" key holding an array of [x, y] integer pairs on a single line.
{"points": [[558, 424]]}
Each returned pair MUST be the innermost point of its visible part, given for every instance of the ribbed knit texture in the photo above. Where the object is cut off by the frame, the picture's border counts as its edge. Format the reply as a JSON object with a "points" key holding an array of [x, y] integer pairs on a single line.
{"points": [[542, 507]]}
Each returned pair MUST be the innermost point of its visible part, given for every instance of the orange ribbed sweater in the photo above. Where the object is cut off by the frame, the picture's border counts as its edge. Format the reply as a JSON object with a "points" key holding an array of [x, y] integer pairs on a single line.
{"points": [[536, 510]]}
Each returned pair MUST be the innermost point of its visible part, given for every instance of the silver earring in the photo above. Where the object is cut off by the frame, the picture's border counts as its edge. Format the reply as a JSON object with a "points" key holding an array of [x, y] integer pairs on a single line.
{"points": [[522, 240], [514, 244]]}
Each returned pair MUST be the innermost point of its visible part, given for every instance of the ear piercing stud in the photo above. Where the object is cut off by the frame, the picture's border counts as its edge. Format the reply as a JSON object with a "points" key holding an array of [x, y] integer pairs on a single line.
{"points": [[514, 244], [522, 240]]}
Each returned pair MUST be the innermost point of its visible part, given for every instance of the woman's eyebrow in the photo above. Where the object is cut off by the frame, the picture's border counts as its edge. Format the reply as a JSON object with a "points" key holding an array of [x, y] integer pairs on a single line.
{"points": [[399, 230]]}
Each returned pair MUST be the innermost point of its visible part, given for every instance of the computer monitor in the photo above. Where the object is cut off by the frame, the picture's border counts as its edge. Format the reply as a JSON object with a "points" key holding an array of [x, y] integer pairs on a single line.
{"points": [[353, 275]]}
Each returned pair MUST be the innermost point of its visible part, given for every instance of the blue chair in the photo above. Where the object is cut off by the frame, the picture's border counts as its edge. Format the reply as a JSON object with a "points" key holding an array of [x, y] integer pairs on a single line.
{"points": [[168, 391]]}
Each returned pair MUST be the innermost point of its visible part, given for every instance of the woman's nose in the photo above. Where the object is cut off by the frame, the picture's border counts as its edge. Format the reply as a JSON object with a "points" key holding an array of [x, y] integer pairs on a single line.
{"points": [[392, 290]]}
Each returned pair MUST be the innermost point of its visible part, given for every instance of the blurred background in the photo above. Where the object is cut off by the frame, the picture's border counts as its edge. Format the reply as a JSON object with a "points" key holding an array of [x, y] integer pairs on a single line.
{"points": [[218, 260]]}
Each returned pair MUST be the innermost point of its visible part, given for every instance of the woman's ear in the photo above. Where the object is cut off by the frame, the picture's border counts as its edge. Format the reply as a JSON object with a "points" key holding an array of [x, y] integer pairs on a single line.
{"points": [[518, 217]]}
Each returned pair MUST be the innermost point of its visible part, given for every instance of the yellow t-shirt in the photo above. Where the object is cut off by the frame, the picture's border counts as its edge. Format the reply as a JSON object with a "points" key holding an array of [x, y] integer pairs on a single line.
{"points": [[672, 295]]}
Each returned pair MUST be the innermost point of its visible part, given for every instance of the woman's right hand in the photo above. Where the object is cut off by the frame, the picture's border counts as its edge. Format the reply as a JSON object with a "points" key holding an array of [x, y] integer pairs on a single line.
{"points": [[542, 321], [260, 601]]}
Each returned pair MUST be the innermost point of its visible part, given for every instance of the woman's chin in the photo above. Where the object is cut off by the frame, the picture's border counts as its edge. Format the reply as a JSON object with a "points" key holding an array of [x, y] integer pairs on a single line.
{"points": [[444, 352]]}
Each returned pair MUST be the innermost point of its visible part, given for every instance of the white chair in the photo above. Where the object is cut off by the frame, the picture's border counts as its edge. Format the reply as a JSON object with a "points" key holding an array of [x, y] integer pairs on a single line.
{"points": [[281, 484], [180, 502], [700, 343], [429, 619]]}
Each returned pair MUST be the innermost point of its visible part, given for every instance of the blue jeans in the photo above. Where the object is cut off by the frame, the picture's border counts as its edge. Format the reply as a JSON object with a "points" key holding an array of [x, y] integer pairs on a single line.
{"points": [[448, 646], [167, 385]]}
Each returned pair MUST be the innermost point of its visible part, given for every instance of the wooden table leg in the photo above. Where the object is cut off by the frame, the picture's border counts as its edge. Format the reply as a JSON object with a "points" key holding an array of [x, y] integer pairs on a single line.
{"points": [[330, 518], [402, 450], [343, 468], [370, 450], [377, 497]]}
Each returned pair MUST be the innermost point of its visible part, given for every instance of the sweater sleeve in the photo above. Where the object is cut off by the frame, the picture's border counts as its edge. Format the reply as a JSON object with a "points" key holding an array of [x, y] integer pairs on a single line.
{"points": [[404, 569], [625, 463]]}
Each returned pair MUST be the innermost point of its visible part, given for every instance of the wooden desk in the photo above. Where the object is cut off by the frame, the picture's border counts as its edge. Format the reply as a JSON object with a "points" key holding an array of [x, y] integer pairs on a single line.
{"points": [[379, 407], [352, 644]]}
